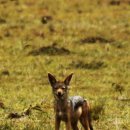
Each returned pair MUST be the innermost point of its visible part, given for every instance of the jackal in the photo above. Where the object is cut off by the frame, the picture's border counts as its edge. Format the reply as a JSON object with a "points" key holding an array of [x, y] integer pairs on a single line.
{"points": [[70, 110]]}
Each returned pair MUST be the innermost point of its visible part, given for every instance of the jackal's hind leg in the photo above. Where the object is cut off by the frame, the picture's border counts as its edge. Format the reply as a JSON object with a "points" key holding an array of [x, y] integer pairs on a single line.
{"points": [[85, 118], [74, 125]]}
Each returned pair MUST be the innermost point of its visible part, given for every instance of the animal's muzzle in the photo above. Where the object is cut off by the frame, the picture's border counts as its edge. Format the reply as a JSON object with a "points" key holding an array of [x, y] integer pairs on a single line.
{"points": [[59, 94]]}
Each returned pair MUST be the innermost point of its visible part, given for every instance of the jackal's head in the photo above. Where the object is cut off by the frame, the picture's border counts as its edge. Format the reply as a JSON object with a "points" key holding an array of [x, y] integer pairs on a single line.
{"points": [[59, 88]]}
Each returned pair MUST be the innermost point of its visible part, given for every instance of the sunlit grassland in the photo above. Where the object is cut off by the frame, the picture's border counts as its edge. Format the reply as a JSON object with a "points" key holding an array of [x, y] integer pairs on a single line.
{"points": [[96, 65]]}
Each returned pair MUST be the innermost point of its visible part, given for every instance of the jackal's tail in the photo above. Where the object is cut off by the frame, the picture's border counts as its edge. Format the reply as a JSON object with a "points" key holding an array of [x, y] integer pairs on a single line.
{"points": [[89, 117]]}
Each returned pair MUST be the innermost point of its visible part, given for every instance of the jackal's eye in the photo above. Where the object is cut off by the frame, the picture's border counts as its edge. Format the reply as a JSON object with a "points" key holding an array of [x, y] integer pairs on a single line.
{"points": [[63, 87], [55, 88]]}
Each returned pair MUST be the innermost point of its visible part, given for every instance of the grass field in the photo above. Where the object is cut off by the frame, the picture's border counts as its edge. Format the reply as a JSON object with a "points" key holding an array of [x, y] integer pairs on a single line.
{"points": [[90, 38]]}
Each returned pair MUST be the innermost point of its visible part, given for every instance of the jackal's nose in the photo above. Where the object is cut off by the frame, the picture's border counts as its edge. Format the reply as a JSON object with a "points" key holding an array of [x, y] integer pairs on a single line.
{"points": [[59, 93]]}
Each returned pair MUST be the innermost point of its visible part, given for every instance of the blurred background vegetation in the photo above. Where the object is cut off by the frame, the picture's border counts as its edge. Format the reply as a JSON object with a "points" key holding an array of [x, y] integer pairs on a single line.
{"points": [[88, 37]]}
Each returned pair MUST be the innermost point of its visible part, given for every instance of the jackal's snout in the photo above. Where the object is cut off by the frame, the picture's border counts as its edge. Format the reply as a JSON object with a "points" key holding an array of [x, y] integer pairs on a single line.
{"points": [[59, 92]]}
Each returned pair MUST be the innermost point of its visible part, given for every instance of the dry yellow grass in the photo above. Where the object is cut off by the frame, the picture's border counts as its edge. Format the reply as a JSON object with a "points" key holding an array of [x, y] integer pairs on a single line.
{"points": [[89, 38]]}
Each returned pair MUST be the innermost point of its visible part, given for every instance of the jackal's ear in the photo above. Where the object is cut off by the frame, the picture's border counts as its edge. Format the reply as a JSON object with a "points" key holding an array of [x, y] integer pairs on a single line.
{"points": [[68, 78], [52, 79]]}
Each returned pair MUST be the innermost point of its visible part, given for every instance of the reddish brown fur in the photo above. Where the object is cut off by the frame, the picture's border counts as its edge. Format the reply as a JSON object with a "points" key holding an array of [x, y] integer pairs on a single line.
{"points": [[63, 108]]}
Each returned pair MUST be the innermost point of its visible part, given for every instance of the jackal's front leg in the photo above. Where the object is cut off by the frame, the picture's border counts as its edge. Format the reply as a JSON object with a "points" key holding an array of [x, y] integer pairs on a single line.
{"points": [[68, 125], [57, 123], [68, 121]]}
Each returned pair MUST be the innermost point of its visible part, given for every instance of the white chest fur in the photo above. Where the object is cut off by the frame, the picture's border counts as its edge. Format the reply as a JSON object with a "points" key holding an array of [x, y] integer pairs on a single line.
{"points": [[60, 113]]}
